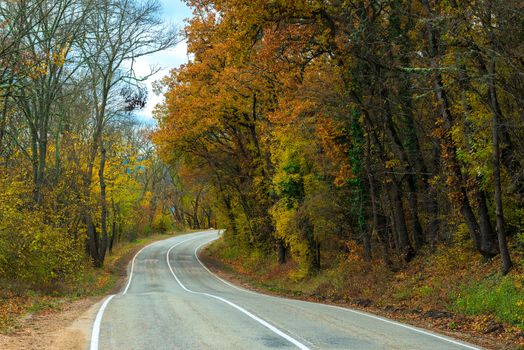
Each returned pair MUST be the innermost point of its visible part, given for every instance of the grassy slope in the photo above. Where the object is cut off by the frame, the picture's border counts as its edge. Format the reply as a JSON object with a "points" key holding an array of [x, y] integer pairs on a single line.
{"points": [[452, 290], [18, 303]]}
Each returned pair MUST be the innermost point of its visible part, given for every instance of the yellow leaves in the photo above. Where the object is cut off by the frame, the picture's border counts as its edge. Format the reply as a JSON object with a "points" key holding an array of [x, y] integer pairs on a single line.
{"points": [[457, 133], [58, 57], [37, 66], [434, 180], [38, 70], [284, 220], [32, 248], [343, 175], [392, 163]]}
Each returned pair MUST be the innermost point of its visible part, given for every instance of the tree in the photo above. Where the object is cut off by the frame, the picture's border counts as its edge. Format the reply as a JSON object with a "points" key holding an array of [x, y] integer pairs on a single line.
{"points": [[48, 46], [397, 160], [122, 31]]}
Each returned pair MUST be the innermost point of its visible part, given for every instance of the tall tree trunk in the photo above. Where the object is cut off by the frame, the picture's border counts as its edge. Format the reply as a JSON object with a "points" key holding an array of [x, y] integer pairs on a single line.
{"points": [[405, 249], [432, 199], [230, 215], [196, 207], [103, 200], [5, 108], [448, 148], [113, 235], [488, 239], [503, 245], [373, 199], [92, 239], [411, 144], [113, 227], [281, 252], [153, 203], [34, 162], [40, 177], [418, 234], [93, 236]]}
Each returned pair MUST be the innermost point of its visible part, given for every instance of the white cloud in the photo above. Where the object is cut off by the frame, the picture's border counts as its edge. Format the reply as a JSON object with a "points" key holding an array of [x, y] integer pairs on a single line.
{"points": [[165, 61], [174, 11]]}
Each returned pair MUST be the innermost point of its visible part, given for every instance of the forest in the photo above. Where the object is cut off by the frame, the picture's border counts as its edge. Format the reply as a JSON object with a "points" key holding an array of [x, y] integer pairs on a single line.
{"points": [[365, 135], [386, 127], [78, 171]]}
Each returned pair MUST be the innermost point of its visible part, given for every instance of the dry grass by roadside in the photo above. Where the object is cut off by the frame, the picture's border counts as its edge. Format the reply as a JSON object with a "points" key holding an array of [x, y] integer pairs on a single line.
{"points": [[424, 294]]}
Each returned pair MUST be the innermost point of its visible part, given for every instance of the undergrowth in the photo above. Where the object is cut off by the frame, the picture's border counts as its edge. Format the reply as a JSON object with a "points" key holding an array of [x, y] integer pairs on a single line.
{"points": [[501, 296], [452, 279]]}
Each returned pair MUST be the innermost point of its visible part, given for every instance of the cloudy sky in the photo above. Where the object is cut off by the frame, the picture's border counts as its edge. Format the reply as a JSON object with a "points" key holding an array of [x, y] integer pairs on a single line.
{"points": [[174, 11]]}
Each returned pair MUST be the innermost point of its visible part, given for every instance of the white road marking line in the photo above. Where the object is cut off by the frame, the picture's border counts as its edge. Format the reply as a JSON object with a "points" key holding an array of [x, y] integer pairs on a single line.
{"points": [[244, 311], [230, 284], [214, 275], [361, 313], [133, 265], [418, 330], [95, 334]]}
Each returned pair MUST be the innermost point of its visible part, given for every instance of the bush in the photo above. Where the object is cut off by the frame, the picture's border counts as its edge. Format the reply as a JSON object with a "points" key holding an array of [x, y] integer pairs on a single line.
{"points": [[500, 296], [33, 250], [162, 223]]}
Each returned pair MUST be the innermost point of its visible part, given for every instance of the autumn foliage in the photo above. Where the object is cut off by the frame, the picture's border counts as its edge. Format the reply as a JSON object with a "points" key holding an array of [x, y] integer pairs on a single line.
{"points": [[394, 126], [78, 172]]}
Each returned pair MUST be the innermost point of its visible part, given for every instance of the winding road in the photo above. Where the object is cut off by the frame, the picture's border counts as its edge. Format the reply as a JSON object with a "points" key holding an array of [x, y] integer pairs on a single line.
{"points": [[172, 301]]}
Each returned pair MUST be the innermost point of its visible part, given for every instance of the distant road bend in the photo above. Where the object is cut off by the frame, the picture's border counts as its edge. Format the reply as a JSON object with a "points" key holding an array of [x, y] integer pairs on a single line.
{"points": [[172, 301]]}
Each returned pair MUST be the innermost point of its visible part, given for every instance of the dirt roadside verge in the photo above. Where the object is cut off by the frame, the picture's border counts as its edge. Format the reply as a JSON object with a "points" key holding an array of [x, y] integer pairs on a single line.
{"points": [[68, 327], [68, 324]]}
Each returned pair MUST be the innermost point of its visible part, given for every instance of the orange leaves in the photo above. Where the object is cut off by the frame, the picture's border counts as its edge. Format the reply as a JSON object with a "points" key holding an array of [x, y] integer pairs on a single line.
{"points": [[330, 133], [343, 175], [11, 306], [191, 106]]}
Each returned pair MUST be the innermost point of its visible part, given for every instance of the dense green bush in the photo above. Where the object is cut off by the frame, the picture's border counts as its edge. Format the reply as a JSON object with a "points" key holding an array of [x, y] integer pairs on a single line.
{"points": [[500, 296]]}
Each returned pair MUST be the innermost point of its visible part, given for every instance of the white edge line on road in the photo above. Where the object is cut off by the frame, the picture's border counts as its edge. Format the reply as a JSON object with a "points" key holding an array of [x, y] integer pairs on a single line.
{"points": [[244, 311], [217, 277], [95, 334], [415, 329], [132, 265]]}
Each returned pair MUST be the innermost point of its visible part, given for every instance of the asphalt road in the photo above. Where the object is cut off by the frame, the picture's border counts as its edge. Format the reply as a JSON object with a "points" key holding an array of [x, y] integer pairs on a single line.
{"points": [[173, 302]]}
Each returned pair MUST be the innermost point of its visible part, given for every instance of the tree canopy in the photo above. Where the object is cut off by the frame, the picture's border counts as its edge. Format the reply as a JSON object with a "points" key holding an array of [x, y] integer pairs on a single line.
{"points": [[396, 125]]}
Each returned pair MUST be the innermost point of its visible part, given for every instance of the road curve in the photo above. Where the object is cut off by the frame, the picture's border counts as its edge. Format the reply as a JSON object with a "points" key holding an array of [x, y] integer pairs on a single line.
{"points": [[173, 302]]}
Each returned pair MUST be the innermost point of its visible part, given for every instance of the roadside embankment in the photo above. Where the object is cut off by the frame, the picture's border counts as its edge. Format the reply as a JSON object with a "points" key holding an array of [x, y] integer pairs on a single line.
{"points": [[451, 290]]}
